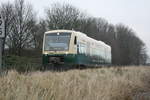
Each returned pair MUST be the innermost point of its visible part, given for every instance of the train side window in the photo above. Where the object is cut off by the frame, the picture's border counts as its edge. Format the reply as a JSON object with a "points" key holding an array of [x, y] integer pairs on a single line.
{"points": [[78, 49], [75, 40]]}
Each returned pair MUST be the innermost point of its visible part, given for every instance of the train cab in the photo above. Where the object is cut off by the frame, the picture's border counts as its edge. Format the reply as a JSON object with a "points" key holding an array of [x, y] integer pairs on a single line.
{"points": [[59, 46]]}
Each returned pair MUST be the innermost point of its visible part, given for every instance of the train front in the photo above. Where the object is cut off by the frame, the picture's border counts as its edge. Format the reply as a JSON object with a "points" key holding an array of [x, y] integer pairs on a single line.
{"points": [[59, 47]]}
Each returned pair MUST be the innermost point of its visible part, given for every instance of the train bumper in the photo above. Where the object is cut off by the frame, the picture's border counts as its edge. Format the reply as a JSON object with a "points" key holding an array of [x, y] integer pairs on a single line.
{"points": [[59, 58]]}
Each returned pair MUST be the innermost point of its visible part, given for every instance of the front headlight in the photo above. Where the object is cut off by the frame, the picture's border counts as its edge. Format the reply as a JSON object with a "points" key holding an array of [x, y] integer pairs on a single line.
{"points": [[45, 53], [66, 53]]}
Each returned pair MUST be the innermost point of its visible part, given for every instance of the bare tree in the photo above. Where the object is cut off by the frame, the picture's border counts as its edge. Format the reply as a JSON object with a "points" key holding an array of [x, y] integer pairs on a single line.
{"points": [[6, 10], [132, 49], [62, 17], [23, 22]]}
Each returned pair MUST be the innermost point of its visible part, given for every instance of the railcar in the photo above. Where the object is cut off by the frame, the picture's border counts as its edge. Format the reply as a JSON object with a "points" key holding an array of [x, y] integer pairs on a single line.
{"points": [[68, 47]]}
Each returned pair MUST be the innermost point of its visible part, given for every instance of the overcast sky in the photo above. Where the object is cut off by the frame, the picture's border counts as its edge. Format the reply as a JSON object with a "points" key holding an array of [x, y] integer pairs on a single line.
{"points": [[133, 13]]}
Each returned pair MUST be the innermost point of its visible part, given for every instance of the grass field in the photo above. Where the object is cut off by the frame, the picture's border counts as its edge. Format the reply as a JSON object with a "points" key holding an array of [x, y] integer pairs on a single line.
{"points": [[89, 84]]}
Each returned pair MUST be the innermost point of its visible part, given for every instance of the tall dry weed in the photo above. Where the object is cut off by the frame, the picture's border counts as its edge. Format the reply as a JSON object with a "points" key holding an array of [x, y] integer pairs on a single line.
{"points": [[90, 84]]}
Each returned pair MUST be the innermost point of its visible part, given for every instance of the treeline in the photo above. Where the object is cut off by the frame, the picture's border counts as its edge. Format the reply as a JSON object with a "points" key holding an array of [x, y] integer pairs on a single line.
{"points": [[24, 30]]}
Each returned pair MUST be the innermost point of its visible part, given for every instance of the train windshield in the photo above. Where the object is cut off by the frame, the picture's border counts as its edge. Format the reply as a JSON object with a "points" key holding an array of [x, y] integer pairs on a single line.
{"points": [[57, 41]]}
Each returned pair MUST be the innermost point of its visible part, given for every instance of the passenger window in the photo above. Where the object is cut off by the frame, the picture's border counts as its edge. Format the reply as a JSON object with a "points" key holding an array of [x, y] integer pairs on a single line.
{"points": [[75, 40]]}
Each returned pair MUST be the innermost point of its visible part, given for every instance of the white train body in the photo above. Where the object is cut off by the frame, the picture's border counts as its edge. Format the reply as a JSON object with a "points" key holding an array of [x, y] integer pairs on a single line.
{"points": [[81, 49]]}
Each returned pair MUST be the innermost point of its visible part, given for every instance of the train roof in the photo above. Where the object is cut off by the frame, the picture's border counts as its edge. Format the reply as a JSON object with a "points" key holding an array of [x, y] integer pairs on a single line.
{"points": [[60, 31]]}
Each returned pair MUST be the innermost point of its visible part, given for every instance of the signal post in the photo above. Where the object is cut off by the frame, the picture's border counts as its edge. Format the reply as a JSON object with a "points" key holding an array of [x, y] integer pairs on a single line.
{"points": [[2, 34]]}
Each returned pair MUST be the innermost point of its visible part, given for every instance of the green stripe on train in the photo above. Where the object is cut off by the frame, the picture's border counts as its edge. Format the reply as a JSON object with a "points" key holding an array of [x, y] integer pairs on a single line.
{"points": [[76, 59]]}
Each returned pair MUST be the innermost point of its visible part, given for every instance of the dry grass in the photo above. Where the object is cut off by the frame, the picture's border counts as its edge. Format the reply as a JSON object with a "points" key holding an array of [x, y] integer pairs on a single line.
{"points": [[90, 84]]}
